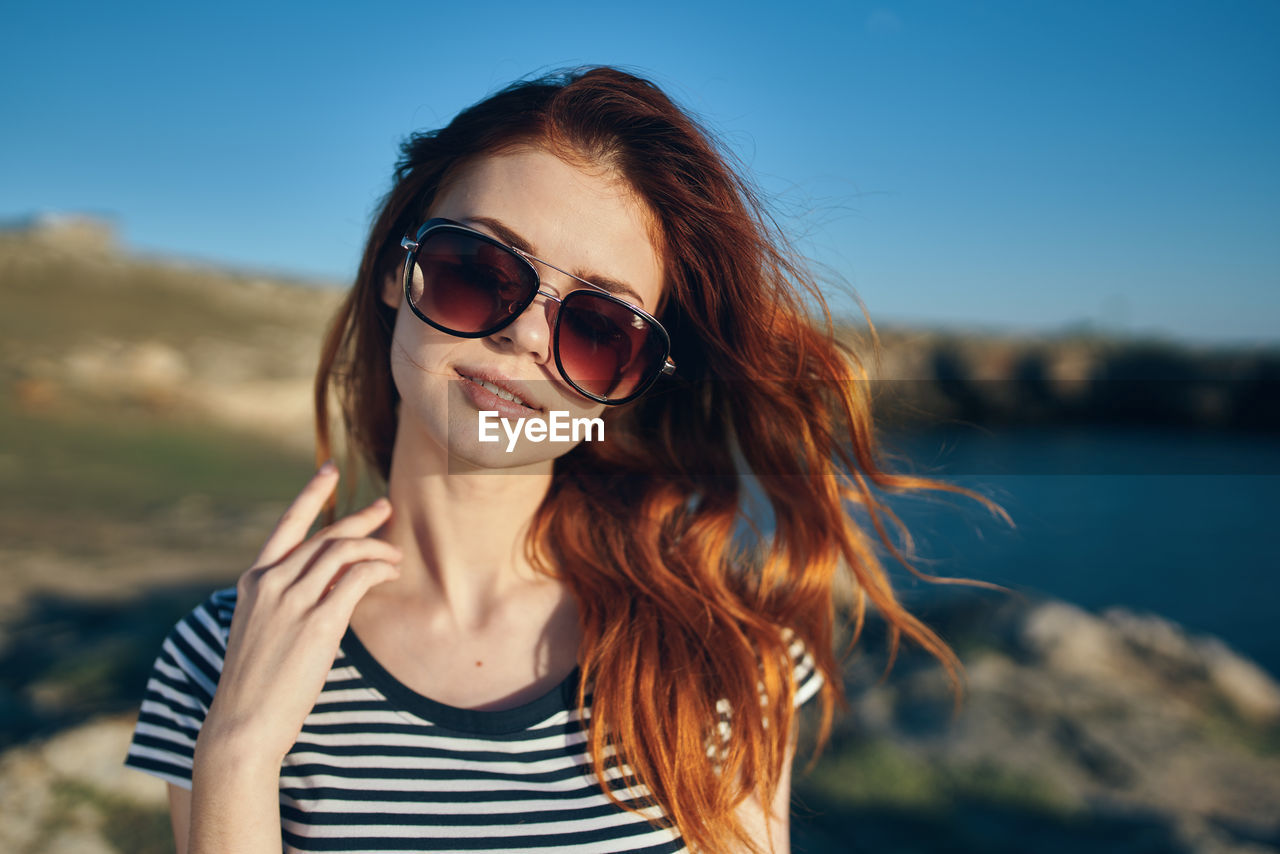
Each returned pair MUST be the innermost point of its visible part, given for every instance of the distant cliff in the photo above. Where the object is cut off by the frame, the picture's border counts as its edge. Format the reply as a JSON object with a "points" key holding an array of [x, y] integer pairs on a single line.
{"points": [[923, 376]]}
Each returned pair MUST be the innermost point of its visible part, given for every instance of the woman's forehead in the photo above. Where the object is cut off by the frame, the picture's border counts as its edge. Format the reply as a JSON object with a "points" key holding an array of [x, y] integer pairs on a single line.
{"points": [[578, 216]]}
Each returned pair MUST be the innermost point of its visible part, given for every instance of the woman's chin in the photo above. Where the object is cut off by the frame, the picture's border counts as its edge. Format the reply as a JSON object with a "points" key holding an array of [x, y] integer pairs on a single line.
{"points": [[486, 442]]}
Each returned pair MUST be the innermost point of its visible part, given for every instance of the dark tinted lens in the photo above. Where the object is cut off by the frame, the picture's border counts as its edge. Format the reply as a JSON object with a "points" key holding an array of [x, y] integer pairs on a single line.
{"points": [[605, 347], [467, 284]]}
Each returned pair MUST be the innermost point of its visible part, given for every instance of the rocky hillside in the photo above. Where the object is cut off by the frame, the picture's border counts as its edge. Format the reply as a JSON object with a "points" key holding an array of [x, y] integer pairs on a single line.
{"points": [[1116, 732], [85, 328]]}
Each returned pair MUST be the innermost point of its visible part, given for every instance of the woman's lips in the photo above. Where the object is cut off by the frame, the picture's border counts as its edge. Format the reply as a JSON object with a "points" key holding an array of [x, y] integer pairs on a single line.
{"points": [[485, 400]]}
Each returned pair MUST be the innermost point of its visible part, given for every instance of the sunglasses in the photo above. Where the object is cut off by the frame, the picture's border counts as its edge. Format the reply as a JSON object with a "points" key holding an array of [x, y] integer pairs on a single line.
{"points": [[466, 283]]}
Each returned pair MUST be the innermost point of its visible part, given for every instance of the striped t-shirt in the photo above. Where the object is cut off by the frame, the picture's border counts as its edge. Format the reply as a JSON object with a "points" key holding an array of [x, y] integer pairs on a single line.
{"points": [[379, 767]]}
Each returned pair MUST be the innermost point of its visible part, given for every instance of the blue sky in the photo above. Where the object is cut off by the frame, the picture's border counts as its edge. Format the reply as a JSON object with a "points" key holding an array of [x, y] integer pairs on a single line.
{"points": [[1005, 165]]}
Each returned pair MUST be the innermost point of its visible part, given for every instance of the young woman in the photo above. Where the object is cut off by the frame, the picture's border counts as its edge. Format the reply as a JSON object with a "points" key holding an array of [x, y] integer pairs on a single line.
{"points": [[533, 644]]}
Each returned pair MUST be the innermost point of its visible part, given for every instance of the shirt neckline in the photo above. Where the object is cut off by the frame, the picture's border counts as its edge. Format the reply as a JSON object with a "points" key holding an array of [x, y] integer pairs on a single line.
{"points": [[561, 698]]}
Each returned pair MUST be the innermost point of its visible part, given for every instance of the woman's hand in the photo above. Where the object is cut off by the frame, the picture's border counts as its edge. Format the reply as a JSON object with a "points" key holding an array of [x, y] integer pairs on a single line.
{"points": [[292, 609]]}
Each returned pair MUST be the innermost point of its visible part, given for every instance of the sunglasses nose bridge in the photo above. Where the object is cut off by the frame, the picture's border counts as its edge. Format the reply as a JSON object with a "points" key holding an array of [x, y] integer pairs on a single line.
{"points": [[552, 306], [572, 282]]}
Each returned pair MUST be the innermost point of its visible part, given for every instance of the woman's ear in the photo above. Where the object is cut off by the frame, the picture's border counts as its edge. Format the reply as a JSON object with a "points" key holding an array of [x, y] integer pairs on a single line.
{"points": [[393, 288]]}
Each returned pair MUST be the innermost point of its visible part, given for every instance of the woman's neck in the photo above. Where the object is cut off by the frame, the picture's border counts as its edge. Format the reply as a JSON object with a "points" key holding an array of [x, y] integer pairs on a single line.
{"points": [[462, 535]]}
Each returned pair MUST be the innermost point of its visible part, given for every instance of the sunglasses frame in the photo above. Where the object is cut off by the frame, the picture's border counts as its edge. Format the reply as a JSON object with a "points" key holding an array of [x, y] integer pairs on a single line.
{"points": [[441, 224]]}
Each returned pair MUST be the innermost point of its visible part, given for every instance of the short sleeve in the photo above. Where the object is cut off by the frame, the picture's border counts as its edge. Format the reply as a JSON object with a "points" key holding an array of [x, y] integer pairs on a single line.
{"points": [[180, 690], [808, 678], [808, 683]]}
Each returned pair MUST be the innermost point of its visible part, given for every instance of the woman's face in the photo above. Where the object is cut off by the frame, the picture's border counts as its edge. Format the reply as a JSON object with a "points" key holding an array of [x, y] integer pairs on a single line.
{"points": [[586, 221]]}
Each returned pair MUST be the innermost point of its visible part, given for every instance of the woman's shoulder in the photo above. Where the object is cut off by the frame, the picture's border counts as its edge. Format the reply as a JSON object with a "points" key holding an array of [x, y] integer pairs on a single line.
{"points": [[221, 603], [201, 635], [799, 659], [180, 689], [214, 613]]}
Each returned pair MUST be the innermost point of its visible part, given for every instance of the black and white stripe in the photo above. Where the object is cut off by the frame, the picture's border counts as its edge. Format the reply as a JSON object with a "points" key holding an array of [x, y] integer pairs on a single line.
{"points": [[378, 767]]}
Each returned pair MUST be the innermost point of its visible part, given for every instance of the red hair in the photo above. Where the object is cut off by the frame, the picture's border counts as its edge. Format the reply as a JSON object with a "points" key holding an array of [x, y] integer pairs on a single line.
{"points": [[675, 615]]}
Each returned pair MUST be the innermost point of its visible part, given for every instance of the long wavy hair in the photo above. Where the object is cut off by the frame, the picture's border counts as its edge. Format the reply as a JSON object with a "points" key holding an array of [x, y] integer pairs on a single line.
{"points": [[677, 614]]}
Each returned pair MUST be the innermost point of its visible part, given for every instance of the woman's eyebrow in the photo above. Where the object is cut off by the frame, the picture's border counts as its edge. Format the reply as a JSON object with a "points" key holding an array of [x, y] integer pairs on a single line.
{"points": [[510, 237]]}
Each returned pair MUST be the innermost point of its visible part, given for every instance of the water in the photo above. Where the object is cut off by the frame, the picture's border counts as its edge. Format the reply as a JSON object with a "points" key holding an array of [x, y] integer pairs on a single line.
{"points": [[1176, 524]]}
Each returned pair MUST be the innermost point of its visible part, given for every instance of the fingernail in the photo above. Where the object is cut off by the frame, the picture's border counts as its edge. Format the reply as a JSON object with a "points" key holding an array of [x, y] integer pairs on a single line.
{"points": [[327, 468]]}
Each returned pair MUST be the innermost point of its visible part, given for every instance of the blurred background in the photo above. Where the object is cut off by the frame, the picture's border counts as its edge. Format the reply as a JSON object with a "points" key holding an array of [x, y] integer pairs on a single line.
{"points": [[1062, 220]]}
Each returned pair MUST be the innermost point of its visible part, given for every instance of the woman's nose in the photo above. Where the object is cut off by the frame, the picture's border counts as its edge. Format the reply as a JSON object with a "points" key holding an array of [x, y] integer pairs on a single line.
{"points": [[530, 332]]}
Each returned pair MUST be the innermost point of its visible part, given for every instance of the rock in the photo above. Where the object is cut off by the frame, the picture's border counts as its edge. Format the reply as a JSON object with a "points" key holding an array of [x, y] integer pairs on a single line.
{"points": [[1245, 686], [93, 754], [90, 759], [125, 366], [1250, 689], [89, 234], [78, 840], [1113, 719], [1155, 639], [26, 795], [1071, 640]]}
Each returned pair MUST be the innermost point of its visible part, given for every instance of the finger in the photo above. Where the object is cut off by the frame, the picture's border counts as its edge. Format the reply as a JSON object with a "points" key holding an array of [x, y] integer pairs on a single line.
{"points": [[359, 524], [349, 588], [297, 520], [339, 556]]}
